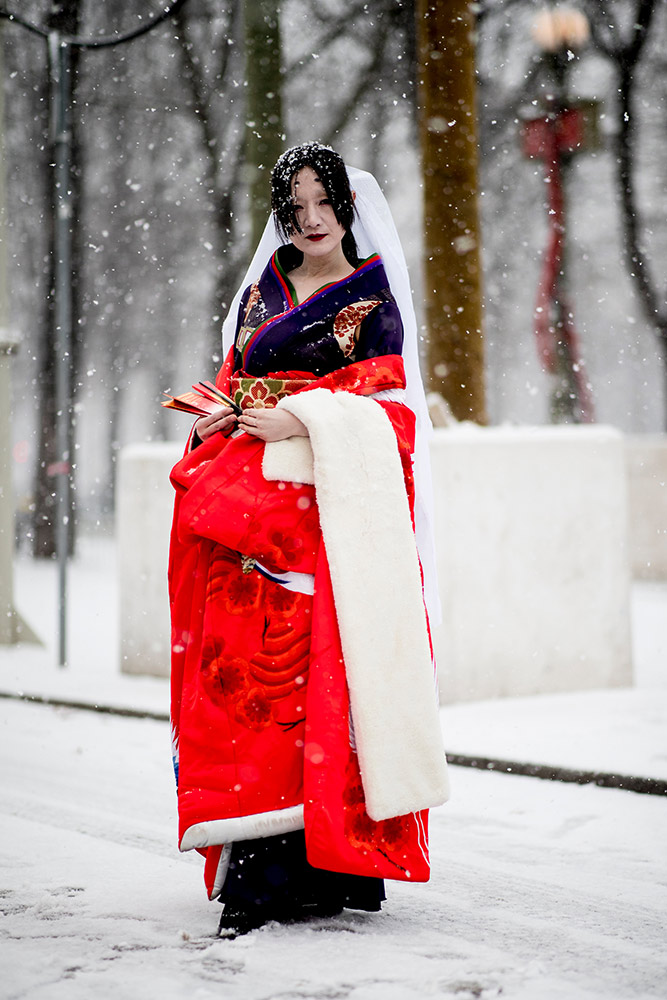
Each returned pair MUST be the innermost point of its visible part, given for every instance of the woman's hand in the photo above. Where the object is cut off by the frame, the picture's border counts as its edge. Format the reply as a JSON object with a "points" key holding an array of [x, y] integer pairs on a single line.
{"points": [[220, 420], [271, 424]]}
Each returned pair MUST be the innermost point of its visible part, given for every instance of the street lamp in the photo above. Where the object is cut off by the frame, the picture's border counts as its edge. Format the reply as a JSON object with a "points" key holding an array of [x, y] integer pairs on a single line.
{"points": [[559, 130], [561, 28]]}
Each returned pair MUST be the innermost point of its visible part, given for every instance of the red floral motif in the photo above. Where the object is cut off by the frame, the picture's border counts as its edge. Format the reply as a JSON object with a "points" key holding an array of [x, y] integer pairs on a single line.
{"points": [[259, 391], [362, 832], [347, 321], [211, 648], [366, 377], [232, 674], [243, 594], [280, 601], [223, 676], [265, 392], [354, 794], [291, 546], [311, 521], [394, 832], [260, 396], [254, 710]]}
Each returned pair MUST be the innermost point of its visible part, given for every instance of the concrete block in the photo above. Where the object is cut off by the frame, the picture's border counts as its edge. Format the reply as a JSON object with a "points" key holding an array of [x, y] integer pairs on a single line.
{"points": [[531, 535], [144, 505], [646, 458]]}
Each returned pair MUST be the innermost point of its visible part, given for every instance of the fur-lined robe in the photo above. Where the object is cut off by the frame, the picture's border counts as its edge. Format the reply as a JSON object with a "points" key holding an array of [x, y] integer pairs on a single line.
{"points": [[302, 678]]}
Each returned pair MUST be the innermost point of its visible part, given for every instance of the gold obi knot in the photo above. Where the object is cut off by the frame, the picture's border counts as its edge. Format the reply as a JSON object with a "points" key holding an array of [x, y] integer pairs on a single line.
{"points": [[265, 392]]}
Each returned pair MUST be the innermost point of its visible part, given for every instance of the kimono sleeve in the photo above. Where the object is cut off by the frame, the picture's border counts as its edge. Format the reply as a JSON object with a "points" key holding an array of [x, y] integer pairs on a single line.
{"points": [[380, 333]]}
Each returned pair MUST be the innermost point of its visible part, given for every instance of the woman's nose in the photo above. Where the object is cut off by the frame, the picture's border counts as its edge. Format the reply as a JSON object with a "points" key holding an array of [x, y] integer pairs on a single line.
{"points": [[311, 216]]}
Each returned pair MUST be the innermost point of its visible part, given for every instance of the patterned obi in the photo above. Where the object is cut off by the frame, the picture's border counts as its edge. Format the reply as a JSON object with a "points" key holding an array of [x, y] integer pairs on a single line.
{"points": [[266, 391]]}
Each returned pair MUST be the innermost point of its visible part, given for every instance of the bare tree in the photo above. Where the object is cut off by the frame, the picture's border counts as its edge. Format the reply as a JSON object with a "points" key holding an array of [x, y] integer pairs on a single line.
{"points": [[264, 136], [375, 42], [63, 17], [624, 49]]}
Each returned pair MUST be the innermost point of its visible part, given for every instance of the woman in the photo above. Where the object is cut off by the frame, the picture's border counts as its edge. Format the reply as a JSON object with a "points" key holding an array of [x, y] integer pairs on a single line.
{"points": [[306, 736]]}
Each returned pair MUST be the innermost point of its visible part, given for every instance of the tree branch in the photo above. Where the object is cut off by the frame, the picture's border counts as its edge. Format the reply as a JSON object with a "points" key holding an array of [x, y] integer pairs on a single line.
{"points": [[637, 263], [341, 26], [640, 31], [604, 29], [367, 78], [200, 98]]}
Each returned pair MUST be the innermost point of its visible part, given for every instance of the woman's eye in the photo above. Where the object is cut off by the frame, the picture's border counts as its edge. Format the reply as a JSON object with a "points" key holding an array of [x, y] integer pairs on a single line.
{"points": [[325, 201]]}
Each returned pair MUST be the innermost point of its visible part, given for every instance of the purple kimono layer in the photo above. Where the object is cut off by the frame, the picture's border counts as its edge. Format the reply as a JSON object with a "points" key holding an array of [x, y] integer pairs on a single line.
{"points": [[344, 321]]}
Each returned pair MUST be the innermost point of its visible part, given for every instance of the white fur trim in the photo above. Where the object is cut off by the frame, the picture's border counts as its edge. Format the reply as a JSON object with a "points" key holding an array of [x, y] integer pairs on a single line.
{"points": [[389, 395], [290, 460], [226, 831], [370, 546]]}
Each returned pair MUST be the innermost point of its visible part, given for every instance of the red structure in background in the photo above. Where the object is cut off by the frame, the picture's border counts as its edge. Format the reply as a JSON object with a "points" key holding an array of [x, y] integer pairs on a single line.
{"points": [[554, 138]]}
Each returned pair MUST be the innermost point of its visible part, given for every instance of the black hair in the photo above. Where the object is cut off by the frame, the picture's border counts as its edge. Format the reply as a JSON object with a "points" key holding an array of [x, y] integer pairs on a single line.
{"points": [[330, 168]]}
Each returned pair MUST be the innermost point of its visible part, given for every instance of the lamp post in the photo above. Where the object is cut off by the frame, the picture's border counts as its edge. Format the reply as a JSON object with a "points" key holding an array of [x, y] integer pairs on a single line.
{"points": [[559, 130]]}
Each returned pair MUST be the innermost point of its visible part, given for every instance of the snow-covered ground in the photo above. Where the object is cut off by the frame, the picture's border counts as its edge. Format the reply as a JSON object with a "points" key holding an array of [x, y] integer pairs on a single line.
{"points": [[540, 890]]}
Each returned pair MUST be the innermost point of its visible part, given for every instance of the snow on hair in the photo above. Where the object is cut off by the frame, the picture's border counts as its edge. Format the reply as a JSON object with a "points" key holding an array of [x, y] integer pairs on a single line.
{"points": [[330, 169]]}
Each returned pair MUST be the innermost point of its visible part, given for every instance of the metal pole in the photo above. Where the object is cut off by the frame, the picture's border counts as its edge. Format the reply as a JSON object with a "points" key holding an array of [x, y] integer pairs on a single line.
{"points": [[61, 136]]}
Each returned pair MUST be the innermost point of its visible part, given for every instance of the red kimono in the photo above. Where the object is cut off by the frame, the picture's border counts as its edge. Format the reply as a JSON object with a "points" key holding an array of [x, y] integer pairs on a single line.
{"points": [[263, 738]]}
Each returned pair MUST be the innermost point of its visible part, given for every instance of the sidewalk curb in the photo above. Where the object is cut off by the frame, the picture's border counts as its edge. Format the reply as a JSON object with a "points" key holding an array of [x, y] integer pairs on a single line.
{"points": [[546, 772], [549, 772], [87, 706]]}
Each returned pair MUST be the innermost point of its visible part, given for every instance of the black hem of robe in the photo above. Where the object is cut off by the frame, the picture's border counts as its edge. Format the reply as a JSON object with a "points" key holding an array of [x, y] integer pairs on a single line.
{"points": [[273, 873]]}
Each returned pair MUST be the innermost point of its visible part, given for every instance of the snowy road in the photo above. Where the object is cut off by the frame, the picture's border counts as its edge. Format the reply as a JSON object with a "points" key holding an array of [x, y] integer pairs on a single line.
{"points": [[540, 891]]}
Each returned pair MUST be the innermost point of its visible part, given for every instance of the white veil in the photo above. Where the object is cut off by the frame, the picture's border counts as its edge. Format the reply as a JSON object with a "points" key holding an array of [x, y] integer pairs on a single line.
{"points": [[375, 232]]}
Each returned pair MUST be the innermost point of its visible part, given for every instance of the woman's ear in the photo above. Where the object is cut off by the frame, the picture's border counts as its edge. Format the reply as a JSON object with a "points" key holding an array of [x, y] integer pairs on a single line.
{"points": [[354, 196]]}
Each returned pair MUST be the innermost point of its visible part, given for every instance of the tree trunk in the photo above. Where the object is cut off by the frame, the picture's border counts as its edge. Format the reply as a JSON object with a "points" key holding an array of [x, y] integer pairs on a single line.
{"points": [[264, 139], [452, 270], [64, 18]]}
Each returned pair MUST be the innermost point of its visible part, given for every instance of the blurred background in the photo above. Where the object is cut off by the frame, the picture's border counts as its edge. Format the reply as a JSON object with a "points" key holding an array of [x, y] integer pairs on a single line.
{"points": [[172, 132]]}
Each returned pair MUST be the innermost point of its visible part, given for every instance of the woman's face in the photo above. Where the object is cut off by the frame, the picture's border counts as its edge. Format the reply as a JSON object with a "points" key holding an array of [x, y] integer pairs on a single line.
{"points": [[321, 232]]}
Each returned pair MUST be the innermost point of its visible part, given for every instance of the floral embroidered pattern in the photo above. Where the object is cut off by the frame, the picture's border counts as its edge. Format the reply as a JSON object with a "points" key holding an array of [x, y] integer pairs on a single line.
{"points": [[249, 391], [280, 550], [243, 594], [347, 322], [281, 601], [385, 373], [254, 710], [290, 546], [223, 676], [249, 689], [363, 833]]}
